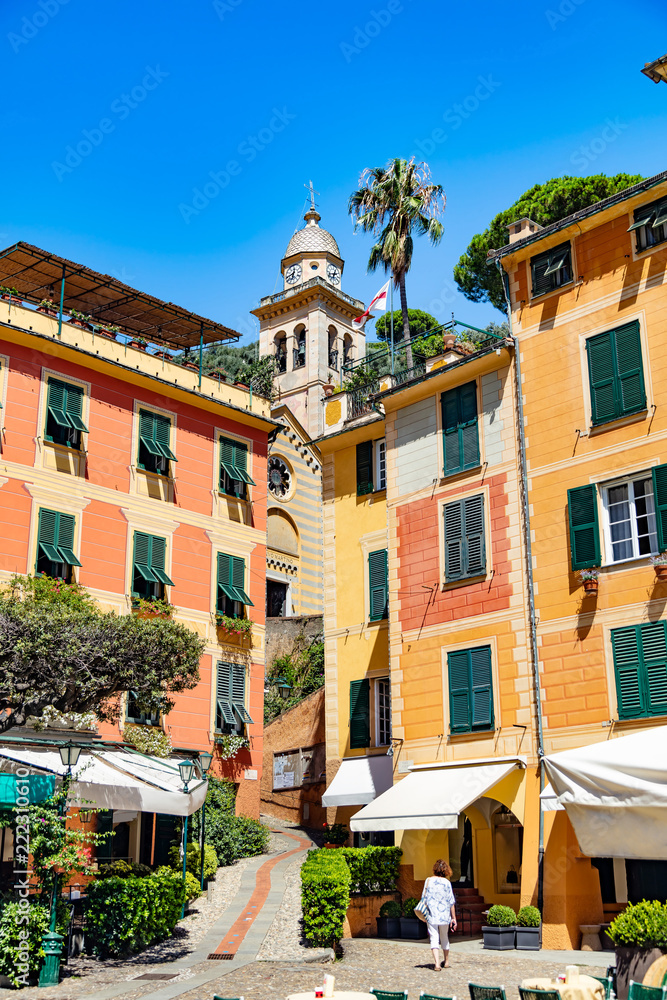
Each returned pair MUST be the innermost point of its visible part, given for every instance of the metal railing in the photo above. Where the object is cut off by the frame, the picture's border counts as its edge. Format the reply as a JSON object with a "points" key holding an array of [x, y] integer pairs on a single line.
{"points": [[311, 283]]}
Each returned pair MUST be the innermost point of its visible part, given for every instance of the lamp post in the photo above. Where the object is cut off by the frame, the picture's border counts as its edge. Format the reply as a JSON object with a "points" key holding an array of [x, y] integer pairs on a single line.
{"points": [[52, 942], [187, 771], [205, 761]]}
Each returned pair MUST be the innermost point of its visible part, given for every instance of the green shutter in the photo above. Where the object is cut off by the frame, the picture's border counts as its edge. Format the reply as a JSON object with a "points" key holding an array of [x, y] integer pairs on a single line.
{"points": [[474, 548], [360, 730], [482, 688], [65, 540], [47, 535], [142, 556], [454, 524], [238, 692], [460, 428], [162, 434], [224, 692], [377, 585], [231, 579], [616, 373], [582, 509], [458, 669], [659, 474], [364, 468], [631, 393], [238, 579], [654, 654], [74, 407], [241, 462], [545, 267], [234, 462], [158, 554], [601, 373], [628, 669], [55, 402], [104, 825]]}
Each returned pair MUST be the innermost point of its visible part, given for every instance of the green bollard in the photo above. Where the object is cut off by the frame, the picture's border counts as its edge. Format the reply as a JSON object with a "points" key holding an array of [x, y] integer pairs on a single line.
{"points": [[52, 943]]}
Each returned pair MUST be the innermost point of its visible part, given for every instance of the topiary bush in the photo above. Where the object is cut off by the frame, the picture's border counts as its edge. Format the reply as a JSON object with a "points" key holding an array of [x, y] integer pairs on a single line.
{"points": [[373, 869], [22, 926], [501, 916], [409, 906], [125, 915], [390, 909], [528, 916], [192, 886], [325, 896], [193, 862], [642, 925]]}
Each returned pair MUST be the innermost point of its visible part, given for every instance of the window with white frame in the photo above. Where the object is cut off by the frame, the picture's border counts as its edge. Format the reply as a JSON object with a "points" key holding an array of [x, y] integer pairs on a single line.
{"points": [[629, 519], [382, 712], [380, 464]]}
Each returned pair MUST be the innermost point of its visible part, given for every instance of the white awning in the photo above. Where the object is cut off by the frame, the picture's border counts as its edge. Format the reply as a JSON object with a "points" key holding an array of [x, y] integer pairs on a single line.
{"points": [[359, 780], [549, 800], [431, 799], [119, 780], [615, 794]]}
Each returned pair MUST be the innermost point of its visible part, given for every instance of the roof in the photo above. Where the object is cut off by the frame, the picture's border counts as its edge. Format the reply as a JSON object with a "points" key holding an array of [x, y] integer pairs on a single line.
{"points": [[312, 239], [36, 274], [583, 213]]}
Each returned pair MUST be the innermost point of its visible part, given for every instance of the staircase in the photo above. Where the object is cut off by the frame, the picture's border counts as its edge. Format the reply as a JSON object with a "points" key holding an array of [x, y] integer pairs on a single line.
{"points": [[469, 908]]}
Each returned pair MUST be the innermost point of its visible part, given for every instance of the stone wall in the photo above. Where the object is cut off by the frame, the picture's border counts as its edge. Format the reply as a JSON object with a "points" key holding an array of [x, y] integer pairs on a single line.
{"points": [[282, 633]]}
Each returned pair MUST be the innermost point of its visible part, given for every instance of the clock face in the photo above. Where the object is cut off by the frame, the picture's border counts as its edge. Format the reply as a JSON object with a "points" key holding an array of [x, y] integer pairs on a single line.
{"points": [[333, 274], [293, 274]]}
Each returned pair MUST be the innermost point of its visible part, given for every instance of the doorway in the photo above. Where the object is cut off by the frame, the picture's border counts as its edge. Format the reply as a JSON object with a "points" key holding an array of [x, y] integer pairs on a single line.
{"points": [[276, 599]]}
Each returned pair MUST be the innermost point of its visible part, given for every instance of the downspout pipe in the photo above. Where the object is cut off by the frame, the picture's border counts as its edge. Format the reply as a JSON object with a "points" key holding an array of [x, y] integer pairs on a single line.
{"points": [[531, 586]]}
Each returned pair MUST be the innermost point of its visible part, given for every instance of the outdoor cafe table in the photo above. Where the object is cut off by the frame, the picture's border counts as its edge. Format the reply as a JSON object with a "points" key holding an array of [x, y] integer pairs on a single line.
{"points": [[584, 988], [337, 995]]}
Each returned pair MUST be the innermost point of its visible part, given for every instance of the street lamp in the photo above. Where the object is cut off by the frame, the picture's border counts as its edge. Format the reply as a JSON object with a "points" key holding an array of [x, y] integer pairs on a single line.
{"points": [[656, 70], [283, 688], [187, 770], [205, 761], [52, 942]]}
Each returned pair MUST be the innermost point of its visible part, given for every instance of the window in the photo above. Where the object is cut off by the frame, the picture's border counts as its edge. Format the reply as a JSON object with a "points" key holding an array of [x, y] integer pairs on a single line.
{"points": [[55, 545], [551, 269], [64, 405], [465, 550], [299, 352], [615, 373], [360, 727], [148, 573], [231, 714], [133, 714], [234, 478], [634, 519], [378, 590], [281, 354], [371, 466], [470, 690], [629, 519], [640, 667], [231, 582], [459, 426], [276, 599], [650, 225], [382, 712], [154, 451]]}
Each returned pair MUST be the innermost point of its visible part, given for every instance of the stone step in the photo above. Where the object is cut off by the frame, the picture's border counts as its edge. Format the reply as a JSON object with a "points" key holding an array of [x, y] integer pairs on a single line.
{"points": [[472, 907]]}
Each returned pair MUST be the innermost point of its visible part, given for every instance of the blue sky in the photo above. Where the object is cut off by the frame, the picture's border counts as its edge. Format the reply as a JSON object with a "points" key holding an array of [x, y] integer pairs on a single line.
{"points": [[255, 98]]}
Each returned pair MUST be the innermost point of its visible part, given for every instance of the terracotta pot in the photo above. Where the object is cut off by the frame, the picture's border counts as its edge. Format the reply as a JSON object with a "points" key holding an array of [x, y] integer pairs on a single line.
{"points": [[140, 347], [661, 573], [449, 342], [328, 390], [47, 312], [78, 322], [591, 586], [106, 333], [13, 299]]}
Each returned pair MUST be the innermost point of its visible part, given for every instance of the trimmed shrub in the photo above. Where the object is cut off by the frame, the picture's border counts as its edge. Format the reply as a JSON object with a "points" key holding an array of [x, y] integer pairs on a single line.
{"points": [[528, 916], [409, 906], [125, 915], [123, 869], [373, 869], [192, 886], [390, 909], [642, 925], [193, 862], [235, 837], [501, 916], [325, 896], [20, 956]]}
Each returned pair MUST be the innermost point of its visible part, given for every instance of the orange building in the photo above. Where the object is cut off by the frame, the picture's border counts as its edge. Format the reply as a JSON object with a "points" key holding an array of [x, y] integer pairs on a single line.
{"points": [[139, 478]]}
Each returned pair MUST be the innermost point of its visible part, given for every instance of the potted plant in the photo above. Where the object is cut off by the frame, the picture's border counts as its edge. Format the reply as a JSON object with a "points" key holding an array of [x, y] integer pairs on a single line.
{"points": [[528, 929], [229, 744], [500, 928], [639, 934], [389, 922], [11, 294], [236, 628], [412, 927], [589, 578], [139, 342], [335, 835], [328, 389], [79, 319], [660, 566], [164, 355], [48, 307], [152, 609], [108, 331]]}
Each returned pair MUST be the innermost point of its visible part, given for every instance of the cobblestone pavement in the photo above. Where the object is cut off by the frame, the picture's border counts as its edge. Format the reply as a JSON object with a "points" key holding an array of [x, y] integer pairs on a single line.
{"points": [[383, 964]]}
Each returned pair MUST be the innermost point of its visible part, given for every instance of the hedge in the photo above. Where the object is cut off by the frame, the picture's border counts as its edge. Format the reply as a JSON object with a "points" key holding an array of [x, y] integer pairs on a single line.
{"points": [[125, 915], [642, 925], [372, 869], [325, 896], [22, 927]]}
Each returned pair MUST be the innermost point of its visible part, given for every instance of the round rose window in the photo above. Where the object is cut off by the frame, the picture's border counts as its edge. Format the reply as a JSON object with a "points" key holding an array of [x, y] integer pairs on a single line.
{"points": [[280, 479]]}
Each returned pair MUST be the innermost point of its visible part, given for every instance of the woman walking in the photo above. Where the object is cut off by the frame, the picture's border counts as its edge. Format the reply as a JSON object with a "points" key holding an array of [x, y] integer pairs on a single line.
{"points": [[437, 908]]}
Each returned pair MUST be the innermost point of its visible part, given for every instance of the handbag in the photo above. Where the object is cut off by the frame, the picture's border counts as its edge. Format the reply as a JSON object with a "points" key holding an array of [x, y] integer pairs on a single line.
{"points": [[422, 908]]}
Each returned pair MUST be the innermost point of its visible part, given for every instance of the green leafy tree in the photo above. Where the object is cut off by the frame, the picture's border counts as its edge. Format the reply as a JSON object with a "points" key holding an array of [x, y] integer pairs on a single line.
{"points": [[546, 203], [420, 322], [303, 669], [57, 648], [241, 364], [392, 203]]}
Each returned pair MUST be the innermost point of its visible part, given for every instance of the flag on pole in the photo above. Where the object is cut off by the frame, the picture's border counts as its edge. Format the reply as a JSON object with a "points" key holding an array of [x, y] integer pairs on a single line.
{"points": [[379, 303]]}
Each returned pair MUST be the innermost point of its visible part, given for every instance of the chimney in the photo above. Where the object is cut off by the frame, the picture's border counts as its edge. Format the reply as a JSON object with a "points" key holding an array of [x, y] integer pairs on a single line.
{"points": [[521, 228]]}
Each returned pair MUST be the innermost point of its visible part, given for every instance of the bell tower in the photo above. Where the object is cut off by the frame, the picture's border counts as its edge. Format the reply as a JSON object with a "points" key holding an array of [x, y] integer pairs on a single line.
{"points": [[308, 325]]}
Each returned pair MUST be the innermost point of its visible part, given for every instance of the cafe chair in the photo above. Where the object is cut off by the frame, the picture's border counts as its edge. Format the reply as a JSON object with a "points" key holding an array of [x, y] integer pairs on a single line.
{"points": [[486, 992], [387, 995], [611, 973], [638, 991], [608, 983], [432, 996], [538, 994]]}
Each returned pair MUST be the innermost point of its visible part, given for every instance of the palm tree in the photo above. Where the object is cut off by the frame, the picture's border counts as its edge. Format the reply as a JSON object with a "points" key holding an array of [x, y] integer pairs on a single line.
{"points": [[392, 203]]}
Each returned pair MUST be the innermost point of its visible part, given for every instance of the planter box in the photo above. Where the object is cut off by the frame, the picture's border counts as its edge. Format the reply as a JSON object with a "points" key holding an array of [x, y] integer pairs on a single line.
{"points": [[528, 938], [412, 928], [499, 938], [633, 963], [389, 927]]}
